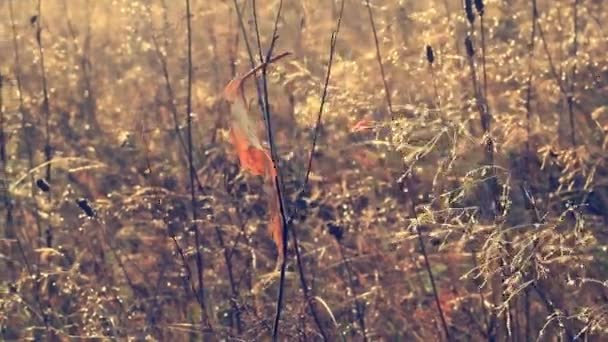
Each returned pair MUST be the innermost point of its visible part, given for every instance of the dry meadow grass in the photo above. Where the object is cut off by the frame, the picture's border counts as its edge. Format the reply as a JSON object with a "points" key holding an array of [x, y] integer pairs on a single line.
{"points": [[477, 185]]}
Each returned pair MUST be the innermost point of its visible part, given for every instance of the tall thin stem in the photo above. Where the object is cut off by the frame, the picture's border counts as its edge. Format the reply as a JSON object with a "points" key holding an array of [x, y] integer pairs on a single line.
{"points": [[192, 172], [570, 96], [46, 110], [408, 187], [387, 91]]}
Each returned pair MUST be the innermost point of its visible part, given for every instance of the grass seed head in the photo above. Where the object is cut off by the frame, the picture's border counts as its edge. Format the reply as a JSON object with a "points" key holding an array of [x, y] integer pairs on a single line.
{"points": [[430, 56], [468, 8], [479, 5], [469, 45]]}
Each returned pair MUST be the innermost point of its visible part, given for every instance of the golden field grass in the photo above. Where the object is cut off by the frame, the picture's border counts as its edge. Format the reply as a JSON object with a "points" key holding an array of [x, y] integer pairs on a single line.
{"points": [[493, 160]]}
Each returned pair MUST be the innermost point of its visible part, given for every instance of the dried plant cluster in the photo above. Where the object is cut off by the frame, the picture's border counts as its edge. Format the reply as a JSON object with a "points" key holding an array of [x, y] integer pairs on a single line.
{"points": [[442, 170]]}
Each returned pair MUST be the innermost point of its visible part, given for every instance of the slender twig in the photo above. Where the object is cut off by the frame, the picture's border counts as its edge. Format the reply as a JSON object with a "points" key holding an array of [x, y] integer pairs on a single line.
{"points": [[85, 65], [48, 151], [528, 105], [332, 48], [408, 187], [186, 266], [359, 308], [9, 232], [278, 182], [531, 46], [273, 153], [554, 72], [33, 272], [448, 14], [24, 116], [274, 157], [236, 315], [192, 173], [570, 97], [46, 110], [387, 91], [492, 181], [172, 102], [236, 311], [483, 57], [249, 52], [430, 57], [45, 100]]}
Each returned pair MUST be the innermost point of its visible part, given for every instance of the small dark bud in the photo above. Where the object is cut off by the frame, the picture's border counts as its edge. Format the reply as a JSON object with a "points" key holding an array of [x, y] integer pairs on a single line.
{"points": [[83, 203], [335, 230], [43, 185], [469, 45], [468, 8], [479, 6], [430, 56], [33, 19]]}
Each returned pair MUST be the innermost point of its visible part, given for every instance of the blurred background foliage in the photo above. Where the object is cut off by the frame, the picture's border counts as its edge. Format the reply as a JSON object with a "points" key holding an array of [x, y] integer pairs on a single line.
{"points": [[97, 250]]}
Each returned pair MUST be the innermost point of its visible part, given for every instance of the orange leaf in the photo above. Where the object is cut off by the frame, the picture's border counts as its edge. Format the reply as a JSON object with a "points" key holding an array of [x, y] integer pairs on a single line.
{"points": [[253, 157], [362, 125]]}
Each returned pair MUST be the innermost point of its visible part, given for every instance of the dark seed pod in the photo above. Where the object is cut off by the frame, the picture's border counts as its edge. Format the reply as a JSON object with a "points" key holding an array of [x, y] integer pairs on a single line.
{"points": [[335, 230], [430, 56], [468, 8], [43, 185], [479, 6], [83, 203], [469, 45]]}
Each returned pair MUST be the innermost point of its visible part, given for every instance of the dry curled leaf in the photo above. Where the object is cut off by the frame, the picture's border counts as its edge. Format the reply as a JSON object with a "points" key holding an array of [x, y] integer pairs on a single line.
{"points": [[253, 157]]}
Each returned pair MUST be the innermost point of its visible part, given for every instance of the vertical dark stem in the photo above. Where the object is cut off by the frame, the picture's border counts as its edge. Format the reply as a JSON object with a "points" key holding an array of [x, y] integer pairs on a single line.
{"points": [[236, 314], [387, 91], [192, 173], [527, 317], [483, 59], [491, 184], [359, 309], [48, 150], [263, 99], [570, 96], [528, 155], [45, 101], [34, 273], [278, 182], [408, 187], [435, 88], [448, 13], [24, 124], [529, 80], [4, 183], [172, 102], [332, 48], [249, 52], [85, 65]]}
